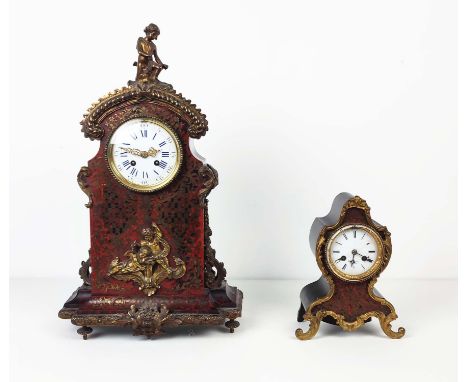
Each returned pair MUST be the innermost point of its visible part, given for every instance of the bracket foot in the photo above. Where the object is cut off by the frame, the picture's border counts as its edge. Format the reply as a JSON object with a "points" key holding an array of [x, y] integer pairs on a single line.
{"points": [[84, 331], [232, 324]]}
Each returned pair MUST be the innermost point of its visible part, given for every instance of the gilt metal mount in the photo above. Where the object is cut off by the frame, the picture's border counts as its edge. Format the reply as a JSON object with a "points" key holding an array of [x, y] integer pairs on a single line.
{"points": [[147, 262]]}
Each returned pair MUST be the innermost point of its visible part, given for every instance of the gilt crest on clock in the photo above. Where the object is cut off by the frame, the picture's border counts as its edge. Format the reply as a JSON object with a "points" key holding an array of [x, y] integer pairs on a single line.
{"points": [[151, 265]]}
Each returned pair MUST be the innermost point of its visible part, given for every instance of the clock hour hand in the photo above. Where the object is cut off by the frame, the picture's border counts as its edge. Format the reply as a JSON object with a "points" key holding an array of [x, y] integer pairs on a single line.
{"points": [[152, 152], [131, 151]]}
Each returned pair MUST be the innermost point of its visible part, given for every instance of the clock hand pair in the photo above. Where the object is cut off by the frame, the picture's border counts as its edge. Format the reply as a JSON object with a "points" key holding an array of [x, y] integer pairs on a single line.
{"points": [[352, 261]]}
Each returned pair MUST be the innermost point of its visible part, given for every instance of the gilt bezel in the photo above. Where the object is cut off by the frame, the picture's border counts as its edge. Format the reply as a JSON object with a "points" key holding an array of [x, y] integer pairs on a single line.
{"points": [[374, 269], [133, 186]]}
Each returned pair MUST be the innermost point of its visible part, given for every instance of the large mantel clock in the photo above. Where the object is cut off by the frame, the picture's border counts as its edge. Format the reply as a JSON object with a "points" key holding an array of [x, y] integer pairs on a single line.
{"points": [[151, 265], [351, 250]]}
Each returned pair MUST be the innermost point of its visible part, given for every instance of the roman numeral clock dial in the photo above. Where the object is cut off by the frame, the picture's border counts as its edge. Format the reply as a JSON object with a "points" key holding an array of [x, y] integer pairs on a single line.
{"points": [[144, 154]]}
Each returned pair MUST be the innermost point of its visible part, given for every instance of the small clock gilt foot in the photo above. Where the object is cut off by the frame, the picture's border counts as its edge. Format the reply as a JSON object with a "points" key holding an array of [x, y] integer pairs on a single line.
{"points": [[84, 331], [314, 324], [232, 324], [385, 324]]}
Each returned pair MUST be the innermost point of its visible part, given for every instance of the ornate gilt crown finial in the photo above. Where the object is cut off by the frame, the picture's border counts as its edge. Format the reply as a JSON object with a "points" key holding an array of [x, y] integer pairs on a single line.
{"points": [[356, 202], [149, 65]]}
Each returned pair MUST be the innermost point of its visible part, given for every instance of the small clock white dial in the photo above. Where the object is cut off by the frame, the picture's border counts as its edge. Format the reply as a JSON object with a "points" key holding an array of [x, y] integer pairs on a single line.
{"points": [[144, 154], [354, 252]]}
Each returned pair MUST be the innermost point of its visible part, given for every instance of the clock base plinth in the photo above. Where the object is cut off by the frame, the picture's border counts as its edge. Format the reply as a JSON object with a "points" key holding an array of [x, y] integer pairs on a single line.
{"points": [[319, 303], [151, 316]]}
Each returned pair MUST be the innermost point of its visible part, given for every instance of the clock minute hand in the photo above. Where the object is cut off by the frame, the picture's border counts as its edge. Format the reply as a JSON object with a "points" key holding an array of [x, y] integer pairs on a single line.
{"points": [[364, 258], [152, 152]]}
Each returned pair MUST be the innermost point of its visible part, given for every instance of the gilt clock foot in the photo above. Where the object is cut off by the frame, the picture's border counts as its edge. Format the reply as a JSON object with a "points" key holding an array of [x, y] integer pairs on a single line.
{"points": [[385, 324], [84, 331], [314, 324], [232, 324]]}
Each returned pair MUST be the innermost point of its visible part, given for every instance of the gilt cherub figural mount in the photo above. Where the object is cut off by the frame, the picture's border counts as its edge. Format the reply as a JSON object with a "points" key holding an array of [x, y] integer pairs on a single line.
{"points": [[147, 262]]}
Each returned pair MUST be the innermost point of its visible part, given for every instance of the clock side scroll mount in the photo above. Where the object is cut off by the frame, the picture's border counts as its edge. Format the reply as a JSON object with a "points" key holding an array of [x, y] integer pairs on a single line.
{"points": [[151, 265], [351, 250]]}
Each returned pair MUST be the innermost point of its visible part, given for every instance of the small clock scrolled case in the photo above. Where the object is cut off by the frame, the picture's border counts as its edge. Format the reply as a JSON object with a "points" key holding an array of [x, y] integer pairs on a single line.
{"points": [[339, 298]]}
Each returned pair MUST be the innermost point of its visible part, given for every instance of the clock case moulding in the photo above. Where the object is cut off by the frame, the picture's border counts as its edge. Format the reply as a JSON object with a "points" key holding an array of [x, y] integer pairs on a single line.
{"points": [[330, 299], [180, 210]]}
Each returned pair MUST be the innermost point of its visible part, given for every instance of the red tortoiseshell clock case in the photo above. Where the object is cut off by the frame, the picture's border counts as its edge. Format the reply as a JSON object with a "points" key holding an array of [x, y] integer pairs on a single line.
{"points": [[118, 215]]}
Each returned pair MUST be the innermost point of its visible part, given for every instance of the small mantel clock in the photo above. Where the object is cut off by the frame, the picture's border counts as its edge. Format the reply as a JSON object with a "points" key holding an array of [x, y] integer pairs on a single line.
{"points": [[151, 265], [351, 250]]}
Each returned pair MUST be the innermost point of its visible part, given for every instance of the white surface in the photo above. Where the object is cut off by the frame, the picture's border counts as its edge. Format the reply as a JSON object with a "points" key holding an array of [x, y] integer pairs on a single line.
{"points": [[264, 348], [305, 99], [462, 114]]}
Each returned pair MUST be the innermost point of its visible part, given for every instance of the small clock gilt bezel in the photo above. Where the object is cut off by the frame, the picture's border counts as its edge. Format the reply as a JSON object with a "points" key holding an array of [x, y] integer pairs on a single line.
{"points": [[373, 270], [144, 188]]}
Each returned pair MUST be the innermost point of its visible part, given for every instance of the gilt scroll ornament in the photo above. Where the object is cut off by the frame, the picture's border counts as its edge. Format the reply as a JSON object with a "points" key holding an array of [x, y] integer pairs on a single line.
{"points": [[83, 183], [149, 318], [147, 262], [215, 273], [85, 273]]}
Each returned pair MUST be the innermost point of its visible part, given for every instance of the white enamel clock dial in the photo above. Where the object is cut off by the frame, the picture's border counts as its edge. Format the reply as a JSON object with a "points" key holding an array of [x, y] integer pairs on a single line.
{"points": [[144, 154], [354, 252]]}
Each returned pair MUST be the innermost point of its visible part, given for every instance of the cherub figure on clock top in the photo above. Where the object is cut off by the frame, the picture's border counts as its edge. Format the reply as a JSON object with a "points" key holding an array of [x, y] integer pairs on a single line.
{"points": [[151, 265], [149, 64]]}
